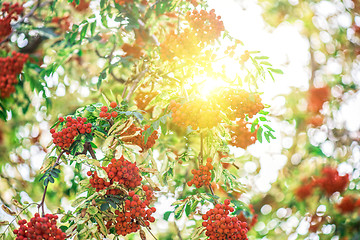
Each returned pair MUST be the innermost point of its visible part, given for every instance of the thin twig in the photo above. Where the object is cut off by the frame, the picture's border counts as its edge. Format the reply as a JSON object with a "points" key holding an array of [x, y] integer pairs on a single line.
{"points": [[22, 210], [178, 231], [201, 154]]}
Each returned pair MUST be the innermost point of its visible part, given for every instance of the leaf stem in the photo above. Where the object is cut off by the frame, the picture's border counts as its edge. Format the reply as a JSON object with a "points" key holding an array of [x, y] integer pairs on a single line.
{"points": [[41, 204]]}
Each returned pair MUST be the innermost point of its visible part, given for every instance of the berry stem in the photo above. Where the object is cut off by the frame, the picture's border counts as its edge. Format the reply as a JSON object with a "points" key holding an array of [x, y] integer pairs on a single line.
{"points": [[212, 192], [142, 221]]}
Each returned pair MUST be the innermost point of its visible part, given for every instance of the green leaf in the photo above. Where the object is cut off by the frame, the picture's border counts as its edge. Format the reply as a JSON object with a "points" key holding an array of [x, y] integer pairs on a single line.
{"points": [[254, 124], [274, 70], [167, 215], [268, 127], [259, 134], [101, 224], [92, 28], [83, 31], [92, 210], [261, 57], [104, 206], [188, 209]]}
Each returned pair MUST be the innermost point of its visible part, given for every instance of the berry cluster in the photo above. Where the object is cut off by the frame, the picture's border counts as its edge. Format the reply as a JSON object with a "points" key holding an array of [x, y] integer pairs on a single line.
{"points": [[193, 2], [241, 136], [39, 228], [237, 103], [8, 12], [63, 23], [305, 191], [348, 204], [73, 127], [230, 50], [180, 46], [136, 213], [206, 25], [82, 6], [10, 68], [119, 170], [220, 226], [143, 99], [134, 135], [317, 97], [196, 113], [202, 176], [331, 181], [251, 221], [244, 57], [132, 51], [107, 113]]}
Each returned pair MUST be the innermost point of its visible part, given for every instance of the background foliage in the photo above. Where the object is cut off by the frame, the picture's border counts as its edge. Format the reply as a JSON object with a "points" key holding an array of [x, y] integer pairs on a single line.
{"points": [[142, 55]]}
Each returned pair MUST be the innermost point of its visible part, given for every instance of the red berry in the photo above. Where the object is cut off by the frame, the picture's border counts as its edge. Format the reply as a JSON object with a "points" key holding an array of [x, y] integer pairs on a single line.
{"points": [[113, 104], [104, 108]]}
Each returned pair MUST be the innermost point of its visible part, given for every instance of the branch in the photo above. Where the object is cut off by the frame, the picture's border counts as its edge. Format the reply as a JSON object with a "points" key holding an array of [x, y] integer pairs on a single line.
{"points": [[135, 82], [23, 19]]}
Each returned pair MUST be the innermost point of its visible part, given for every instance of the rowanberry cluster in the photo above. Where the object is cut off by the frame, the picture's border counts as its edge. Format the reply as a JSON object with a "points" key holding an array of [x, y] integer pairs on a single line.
{"points": [[315, 120], [10, 67], [202, 176], [206, 25], [82, 6], [237, 103], [251, 221], [317, 97], [193, 2], [230, 50], [220, 226], [348, 204], [132, 50], [107, 113], [143, 99], [8, 12], [241, 136], [196, 113], [134, 135], [331, 181], [121, 171], [244, 57], [39, 228], [136, 213], [72, 128], [63, 23], [305, 191], [180, 46]]}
